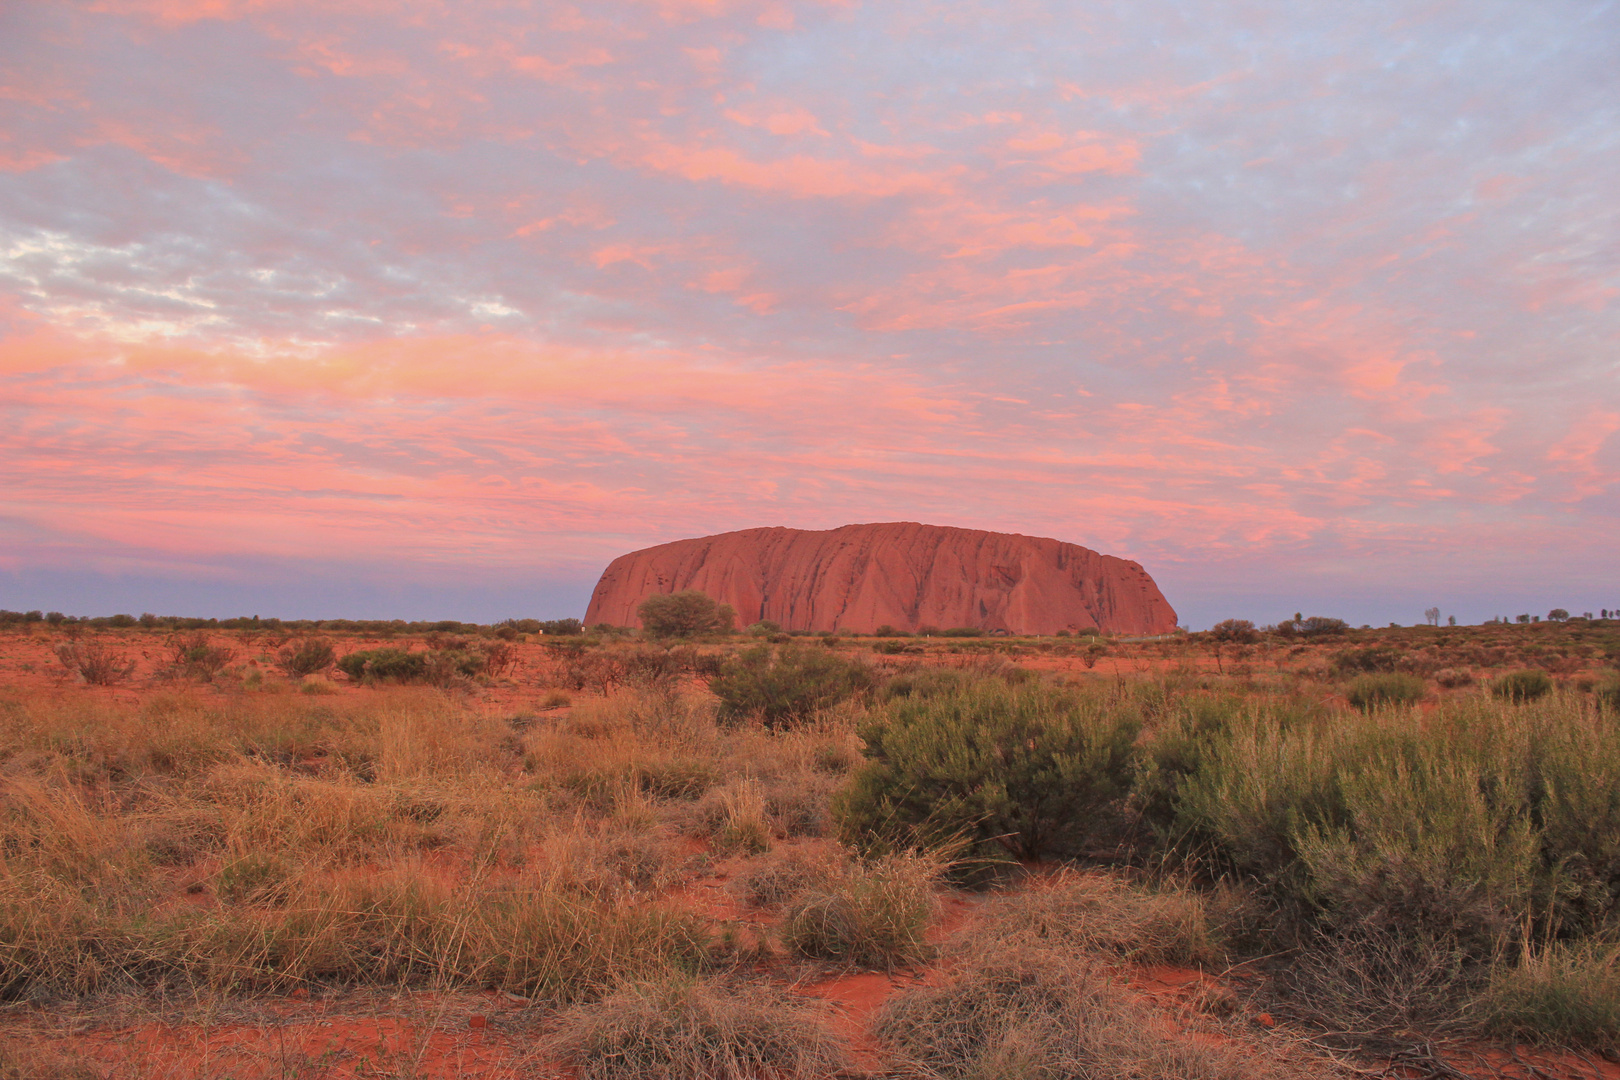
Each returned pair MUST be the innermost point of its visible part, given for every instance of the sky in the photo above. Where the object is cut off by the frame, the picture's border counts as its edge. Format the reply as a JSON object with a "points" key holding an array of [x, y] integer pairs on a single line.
{"points": [[382, 308]]}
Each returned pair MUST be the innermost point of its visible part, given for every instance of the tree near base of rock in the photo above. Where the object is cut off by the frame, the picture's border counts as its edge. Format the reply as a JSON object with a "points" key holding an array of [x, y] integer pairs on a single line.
{"points": [[685, 614]]}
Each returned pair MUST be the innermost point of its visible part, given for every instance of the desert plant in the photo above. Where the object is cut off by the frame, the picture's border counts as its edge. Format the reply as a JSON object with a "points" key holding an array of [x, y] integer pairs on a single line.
{"points": [[684, 614], [1096, 912], [306, 656], [1235, 631], [1367, 692], [745, 825], [874, 914], [1559, 993], [775, 880], [1377, 658], [1043, 1012], [786, 684], [386, 665], [690, 1029], [1522, 686], [1007, 771], [194, 656], [94, 662]]}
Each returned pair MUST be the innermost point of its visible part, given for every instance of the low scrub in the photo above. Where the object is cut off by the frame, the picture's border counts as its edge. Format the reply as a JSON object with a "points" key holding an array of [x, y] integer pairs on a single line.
{"points": [[691, 1029], [399, 925], [1094, 912], [787, 684], [1044, 1012], [1384, 690], [307, 656], [991, 770], [1519, 687], [1560, 993], [196, 657], [94, 662], [872, 914], [386, 665]]}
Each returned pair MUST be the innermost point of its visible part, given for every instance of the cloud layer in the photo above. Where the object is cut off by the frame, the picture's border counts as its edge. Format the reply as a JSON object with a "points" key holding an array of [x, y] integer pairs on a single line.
{"points": [[1293, 303]]}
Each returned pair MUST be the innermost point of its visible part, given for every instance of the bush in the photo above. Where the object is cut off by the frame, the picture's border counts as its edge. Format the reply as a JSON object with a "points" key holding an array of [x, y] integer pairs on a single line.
{"points": [[687, 1029], [94, 662], [1373, 658], [1235, 631], [1005, 771], [875, 914], [1522, 686], [196, 658], [786, 684], [384, 665], [1370, 692], [1315, 626], [307, 656], [684, 614]]}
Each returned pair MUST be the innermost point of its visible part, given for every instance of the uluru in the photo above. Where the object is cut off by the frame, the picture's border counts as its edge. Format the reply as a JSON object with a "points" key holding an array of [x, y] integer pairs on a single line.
{"points": [[899, 574]]}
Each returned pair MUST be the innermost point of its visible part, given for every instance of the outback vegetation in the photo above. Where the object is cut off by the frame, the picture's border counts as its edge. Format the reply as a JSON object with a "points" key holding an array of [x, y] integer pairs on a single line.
{"points": [[1296, 851]]}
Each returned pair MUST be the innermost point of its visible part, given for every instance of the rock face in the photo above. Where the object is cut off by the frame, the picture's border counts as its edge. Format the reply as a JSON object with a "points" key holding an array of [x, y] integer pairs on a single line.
{"points": [[899, 574]]}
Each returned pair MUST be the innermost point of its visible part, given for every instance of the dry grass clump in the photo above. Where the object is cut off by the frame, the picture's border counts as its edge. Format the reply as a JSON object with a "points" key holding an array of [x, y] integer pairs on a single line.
{"points": [[1028, 1011], [691, 1029], [608, 861], [1159, 924], [399, 924], [774, 880], [742, 823], [1567, 994], [1367, 983], [872, 914]]}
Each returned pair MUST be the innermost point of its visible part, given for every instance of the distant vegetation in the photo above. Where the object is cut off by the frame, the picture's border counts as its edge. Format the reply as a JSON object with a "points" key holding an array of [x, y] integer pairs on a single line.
{"points": [[1398, 835]]}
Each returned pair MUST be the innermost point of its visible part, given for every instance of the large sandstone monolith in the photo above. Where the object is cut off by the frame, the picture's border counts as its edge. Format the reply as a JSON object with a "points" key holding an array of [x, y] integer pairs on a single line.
{"points": [[899, 574]]}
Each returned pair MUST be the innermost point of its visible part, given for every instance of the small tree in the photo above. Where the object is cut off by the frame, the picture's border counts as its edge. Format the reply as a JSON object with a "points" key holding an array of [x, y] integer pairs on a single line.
{"points": [[1235, 631], [1557, 614], [1431, 616], [684, 614]]}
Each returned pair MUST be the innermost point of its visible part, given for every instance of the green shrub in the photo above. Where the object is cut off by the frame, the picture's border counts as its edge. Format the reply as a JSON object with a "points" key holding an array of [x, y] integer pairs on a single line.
{"points": [[1007, 771], [309, 656], [1522, 686], [786, 684], [384, 665], [684, 614], [196, 658], [1368, 692], [1372, 658]]}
